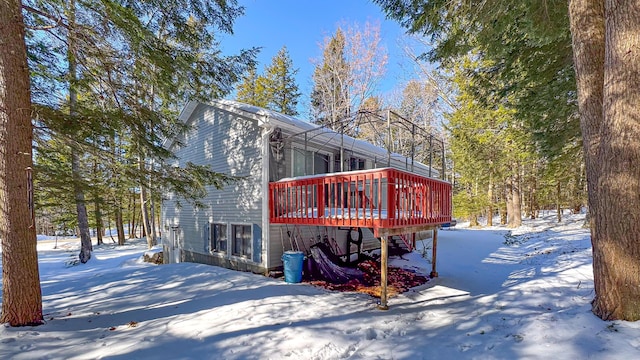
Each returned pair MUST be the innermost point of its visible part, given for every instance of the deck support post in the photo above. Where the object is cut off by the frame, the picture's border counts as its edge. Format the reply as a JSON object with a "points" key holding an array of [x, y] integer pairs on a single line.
{"points": [[413, 241], [384, 255], [434, 273]]}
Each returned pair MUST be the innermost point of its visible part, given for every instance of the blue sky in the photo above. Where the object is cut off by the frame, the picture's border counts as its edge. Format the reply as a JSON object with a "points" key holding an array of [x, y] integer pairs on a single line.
{"points": [[301, 26]]}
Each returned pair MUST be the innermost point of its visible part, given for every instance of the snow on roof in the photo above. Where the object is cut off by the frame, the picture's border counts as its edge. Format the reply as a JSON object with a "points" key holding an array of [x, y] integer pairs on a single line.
{"points": [[273, 119]]}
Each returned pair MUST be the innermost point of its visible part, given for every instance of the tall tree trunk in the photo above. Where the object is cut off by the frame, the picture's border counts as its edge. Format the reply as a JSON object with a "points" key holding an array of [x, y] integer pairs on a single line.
{"points": [[533, 201], [152, 211], [616, 230], [509, 200], [586, 18], [21, 293], [490, 207], [78, 191], [524, 204], [97, 211], [83, 220], [119, 223], [109, 227], [151, 202], [607, 60], [503, 212], [98, 215], [516, 198], [143, 205], [132, 211], [558, 202]]}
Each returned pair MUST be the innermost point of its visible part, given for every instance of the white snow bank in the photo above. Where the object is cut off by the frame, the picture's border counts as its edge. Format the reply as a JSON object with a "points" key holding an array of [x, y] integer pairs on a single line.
{"points": [[530, 299]]}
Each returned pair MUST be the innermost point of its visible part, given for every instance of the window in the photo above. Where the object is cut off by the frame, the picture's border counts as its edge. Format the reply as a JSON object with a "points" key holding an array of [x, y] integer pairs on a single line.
{"points": [[302, 162], [309, 162], [356, 164], [320, 163], [218, 237], [351, 163], [241, 238]]}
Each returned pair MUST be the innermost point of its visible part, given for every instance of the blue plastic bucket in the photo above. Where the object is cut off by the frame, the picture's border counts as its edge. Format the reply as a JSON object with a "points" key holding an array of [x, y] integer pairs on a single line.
{"points": [[293, 261]]}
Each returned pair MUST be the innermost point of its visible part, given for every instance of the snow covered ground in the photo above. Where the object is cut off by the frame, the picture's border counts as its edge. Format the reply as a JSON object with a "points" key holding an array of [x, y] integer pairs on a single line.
{"points": [[522, 294]]}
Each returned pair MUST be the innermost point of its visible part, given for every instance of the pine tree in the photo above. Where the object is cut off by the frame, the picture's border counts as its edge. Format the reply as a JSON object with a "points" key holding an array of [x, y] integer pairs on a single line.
{"points": [[128, 69], [280, 85], [489, 151], [547, 61], [21, 293], [252, 89], [527, 47], [330, 99], [53, 192]]}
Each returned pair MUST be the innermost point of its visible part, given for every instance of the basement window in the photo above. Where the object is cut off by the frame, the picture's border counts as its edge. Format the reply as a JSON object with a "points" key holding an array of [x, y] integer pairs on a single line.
{"points": [[241, 239], [218, 237]]}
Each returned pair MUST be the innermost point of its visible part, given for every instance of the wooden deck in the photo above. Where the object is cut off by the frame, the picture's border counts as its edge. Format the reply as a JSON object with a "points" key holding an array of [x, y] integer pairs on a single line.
{"points": [[387, 200]]}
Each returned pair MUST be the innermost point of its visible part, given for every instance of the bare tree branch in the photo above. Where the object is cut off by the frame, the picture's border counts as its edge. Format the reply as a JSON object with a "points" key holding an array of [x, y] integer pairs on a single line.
{"points": [[57, 19]]}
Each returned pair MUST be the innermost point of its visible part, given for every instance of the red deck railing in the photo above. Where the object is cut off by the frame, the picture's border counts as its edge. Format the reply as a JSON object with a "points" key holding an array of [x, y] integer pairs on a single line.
{"points": [[385, 198]]}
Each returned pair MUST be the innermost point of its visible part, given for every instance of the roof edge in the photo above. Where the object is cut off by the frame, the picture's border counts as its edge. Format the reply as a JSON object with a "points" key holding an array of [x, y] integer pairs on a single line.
{"points": [[270, 118]]}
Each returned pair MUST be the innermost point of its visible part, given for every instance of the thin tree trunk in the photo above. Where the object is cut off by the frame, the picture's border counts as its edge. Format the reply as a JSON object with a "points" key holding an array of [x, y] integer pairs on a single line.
{"points": [[516, 198], [474, 221], [130, 216], [151, 202], [97, 211], [109, 226], [83, 220], [490, 197], [98, 215], [503, 212], [524, 204], [143, 205], [509, 199], [533, 201], [21, 292], [132, 211], [119, 224], [558, 202], [153, 217]]}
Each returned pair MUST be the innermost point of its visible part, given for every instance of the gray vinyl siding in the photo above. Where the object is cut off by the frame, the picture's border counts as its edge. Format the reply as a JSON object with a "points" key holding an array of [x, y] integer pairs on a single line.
{"points": [[230, 144]]}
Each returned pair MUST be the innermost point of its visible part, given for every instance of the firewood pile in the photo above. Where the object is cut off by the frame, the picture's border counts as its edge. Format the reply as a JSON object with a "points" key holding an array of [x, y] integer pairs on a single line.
{"points": [[398, 280], [155, 258]]}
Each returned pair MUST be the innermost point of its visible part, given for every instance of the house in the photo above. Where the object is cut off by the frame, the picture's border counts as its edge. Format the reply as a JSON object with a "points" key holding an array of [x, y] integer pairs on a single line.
{"points": [[292, 192]]}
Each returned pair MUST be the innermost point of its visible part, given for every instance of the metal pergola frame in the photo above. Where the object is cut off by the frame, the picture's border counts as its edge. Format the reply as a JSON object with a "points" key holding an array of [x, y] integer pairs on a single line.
{"points": [[392, 119]]}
